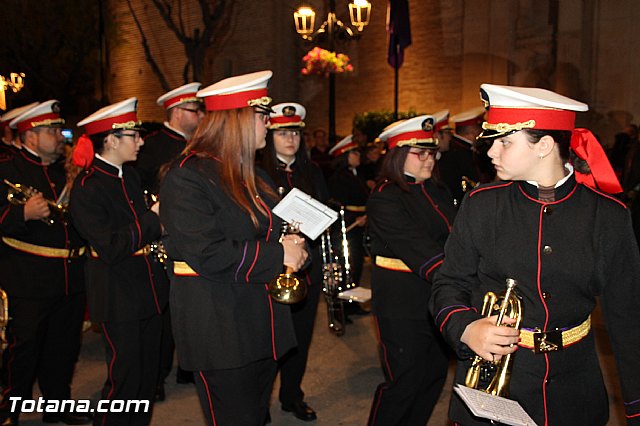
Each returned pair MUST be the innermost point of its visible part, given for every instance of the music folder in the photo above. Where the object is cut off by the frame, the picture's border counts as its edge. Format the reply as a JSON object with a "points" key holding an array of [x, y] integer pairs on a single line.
{"points": [[492, 407], [309, 214]]}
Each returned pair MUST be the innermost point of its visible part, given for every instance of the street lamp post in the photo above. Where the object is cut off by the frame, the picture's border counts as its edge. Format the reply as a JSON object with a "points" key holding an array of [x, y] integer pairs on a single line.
{"points": [[331, 30]]}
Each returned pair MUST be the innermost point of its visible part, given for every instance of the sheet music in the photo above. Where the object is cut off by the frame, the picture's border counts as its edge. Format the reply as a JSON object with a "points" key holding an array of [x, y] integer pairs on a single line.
{"points": [[357, 294], [493, 407], [311, 215]]}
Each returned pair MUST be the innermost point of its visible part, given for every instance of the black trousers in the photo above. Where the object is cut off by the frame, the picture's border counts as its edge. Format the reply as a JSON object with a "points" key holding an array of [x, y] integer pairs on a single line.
{"points": [[236, 396], [132, 352], [293, 365], [44, 338], [167, 347], [414, 361]]}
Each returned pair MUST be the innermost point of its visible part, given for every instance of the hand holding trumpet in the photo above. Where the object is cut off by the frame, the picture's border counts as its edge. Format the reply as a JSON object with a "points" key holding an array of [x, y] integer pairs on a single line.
{"points": [[295, 254], [36, 208]]}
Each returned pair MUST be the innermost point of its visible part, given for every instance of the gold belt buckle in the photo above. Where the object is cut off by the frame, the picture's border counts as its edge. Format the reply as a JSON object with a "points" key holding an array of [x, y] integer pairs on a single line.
{"points": [[547, 341]]}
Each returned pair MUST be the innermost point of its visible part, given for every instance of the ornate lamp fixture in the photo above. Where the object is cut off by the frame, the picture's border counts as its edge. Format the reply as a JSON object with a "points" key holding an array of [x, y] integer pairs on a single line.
{"points": [[359, 11], [332, 29], [15, 82]]}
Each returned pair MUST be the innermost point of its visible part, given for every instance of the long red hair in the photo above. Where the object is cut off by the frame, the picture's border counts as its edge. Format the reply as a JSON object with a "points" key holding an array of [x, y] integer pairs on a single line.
{"points": [[229, 135]]}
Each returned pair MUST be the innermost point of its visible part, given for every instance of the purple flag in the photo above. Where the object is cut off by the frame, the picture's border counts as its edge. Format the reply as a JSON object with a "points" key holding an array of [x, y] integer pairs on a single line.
{"points": [[398, 31]]}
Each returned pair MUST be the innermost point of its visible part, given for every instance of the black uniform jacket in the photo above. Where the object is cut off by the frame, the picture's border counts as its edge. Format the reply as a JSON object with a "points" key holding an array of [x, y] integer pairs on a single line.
{"points": [[563, 255], [160, 147], [413, 227], [350, 190], [223, 317], [111, 214], [456, 163], [29, 275]]}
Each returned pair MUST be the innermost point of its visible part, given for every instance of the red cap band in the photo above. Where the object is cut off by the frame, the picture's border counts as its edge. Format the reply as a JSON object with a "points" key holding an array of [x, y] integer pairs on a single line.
{"points": [[233, 100], [393, 141], [293, 119], [106, 124], [545, 119], [439, 125], [348, 147], [27, 124], [185, 97]]}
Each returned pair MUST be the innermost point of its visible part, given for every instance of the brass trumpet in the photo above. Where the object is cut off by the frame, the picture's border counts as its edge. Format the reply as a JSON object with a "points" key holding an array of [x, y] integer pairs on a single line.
{"points": [[287, 288], [493, 377], [19, 194]]}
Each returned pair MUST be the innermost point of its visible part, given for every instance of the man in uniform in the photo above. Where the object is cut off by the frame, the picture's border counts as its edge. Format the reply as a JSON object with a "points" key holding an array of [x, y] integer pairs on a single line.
{"points": [[10, 142], [42, 269], [460, 160], [184, 112]]}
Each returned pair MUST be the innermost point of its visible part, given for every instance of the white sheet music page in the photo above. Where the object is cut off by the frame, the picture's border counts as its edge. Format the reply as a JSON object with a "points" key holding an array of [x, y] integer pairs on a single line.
{"points": [[502, 410], [357, 294], [311, 215]]}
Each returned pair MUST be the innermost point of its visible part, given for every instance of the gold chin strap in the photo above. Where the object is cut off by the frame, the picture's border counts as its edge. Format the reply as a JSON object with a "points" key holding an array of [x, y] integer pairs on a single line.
{"points": [[126, 126], [506, 127], [263, 101], [47, 122]]}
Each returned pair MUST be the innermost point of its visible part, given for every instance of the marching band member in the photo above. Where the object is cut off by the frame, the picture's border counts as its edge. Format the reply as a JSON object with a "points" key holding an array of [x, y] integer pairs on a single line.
{"points": [[460, 159], [287, 163], [10, 140], [551, 225], [184, 111], [41, 268], [126, 290], [350, 189], [223, 243], [410, 216]]}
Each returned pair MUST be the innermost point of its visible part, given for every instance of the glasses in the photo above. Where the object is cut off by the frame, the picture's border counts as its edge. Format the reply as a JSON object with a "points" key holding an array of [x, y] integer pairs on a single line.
{"points": [[287, 133], [135, 135], [50, 130], [264, 116], [195, 111], [425, 154]]}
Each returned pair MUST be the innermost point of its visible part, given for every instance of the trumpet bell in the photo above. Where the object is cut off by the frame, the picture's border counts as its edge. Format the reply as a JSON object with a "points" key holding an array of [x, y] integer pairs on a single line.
{"points": [[287, 289]]}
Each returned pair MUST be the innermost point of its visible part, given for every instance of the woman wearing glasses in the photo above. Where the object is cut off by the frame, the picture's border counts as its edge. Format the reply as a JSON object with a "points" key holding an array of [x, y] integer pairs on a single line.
{"points": [[410, 216], [126, 290], [287, 163], [223, 247]]}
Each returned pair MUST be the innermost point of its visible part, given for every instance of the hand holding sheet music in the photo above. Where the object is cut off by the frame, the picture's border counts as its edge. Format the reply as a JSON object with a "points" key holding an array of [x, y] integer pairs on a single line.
{"points": [[309, 214]]}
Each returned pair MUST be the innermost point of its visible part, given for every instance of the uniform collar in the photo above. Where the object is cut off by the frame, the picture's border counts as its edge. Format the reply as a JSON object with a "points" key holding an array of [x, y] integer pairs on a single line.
{"points": [[111, 168], [174, 130], [283, 163], [563, 187], [31, 154]]}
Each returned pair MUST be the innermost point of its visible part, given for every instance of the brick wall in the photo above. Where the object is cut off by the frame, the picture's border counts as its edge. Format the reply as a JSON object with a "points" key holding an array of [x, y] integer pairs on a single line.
{"points": [[457, 45]]}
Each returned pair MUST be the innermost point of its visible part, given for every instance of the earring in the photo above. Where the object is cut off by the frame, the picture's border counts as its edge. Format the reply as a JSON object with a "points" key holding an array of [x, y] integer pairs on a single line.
{"points": [[541, 156]]}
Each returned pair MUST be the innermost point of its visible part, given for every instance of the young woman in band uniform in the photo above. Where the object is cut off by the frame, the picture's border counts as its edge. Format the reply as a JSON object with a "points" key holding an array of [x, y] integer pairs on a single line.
{"points": [[551, 225], [223, 245], [410, 216]]}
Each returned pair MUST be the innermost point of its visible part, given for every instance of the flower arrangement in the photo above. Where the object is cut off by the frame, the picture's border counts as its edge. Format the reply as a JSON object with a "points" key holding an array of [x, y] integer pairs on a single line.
{"points": [[322, 62]]}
